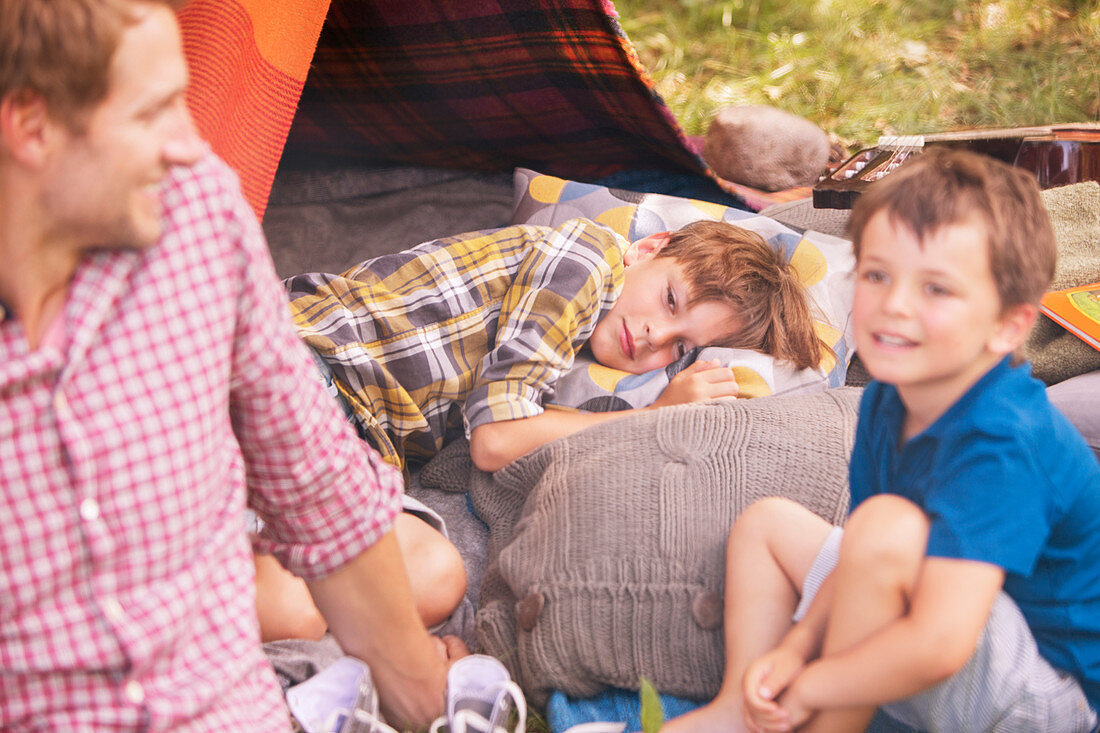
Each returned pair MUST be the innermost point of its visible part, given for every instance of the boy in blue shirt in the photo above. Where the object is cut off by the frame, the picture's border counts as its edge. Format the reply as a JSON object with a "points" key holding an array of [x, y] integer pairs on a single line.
{"points": [[966, 588]]}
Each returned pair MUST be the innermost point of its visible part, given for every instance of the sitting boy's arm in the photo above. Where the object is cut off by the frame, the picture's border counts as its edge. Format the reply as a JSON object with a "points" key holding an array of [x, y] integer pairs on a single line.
{"points": [[933, 640], [494, 445], [768, 676]]}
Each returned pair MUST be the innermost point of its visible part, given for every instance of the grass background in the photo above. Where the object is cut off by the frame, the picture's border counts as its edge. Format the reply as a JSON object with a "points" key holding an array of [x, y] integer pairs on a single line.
{"points": [[862, 68]]}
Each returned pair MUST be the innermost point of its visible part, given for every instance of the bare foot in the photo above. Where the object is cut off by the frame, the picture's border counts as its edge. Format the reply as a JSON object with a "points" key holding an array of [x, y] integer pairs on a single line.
{"points": [[712, 718]]}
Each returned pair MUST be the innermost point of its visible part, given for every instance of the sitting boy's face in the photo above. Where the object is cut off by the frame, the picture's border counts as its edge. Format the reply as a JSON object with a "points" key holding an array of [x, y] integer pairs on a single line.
{"points": [[650, 326], [927, 314]]}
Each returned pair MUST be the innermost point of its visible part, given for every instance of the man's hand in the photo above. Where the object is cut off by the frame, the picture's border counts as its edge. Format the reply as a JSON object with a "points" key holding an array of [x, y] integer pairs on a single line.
{"points": [[764, 681], [410, 703], [703, 380], [369, 608]]}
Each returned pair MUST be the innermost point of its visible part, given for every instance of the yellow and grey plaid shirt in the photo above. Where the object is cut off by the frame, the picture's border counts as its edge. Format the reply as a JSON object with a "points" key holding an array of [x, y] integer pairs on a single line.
{"points": [[484, 323]]}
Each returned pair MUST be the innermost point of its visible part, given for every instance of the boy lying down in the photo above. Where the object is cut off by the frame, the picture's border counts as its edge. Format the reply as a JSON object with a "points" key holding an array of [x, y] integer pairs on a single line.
{"points": [[473, 332]]}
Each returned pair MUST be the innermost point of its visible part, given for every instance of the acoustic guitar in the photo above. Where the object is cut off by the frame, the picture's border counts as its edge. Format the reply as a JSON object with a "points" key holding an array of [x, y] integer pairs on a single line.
{"points": [[1058, 155]]}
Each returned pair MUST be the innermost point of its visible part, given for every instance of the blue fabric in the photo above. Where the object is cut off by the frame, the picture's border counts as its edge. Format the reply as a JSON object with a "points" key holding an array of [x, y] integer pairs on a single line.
{"points": [[612, 705], [1005, 479], [622, 706]]}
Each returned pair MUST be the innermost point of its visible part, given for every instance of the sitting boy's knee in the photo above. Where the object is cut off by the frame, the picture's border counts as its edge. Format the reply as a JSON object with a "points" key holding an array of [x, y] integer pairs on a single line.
{"points": [[886, 530], [768, 515], [304, 622], [437, 573], [442, 585], [284, 605], [444, 568]]}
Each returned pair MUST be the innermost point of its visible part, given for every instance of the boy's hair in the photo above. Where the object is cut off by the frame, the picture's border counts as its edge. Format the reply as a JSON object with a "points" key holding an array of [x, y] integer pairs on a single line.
{"points": [[61, 50], [943, 187], [727, 264]]}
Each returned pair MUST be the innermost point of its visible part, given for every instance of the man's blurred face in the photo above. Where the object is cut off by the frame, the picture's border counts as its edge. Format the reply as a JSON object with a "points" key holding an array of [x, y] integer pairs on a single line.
{"points": [[104, 179]]}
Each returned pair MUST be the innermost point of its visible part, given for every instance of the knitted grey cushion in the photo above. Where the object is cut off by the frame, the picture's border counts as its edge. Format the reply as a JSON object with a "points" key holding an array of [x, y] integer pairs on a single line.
{"points": [[606, 548]]}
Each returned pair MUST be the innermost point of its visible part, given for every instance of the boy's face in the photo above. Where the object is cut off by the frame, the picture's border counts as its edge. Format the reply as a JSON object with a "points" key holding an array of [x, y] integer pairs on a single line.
{"points": [[927, 315], [651, 325]]}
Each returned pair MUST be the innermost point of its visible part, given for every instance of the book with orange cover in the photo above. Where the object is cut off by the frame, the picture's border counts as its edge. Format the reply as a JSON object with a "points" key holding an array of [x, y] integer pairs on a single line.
{"points": [[1078, 310]]}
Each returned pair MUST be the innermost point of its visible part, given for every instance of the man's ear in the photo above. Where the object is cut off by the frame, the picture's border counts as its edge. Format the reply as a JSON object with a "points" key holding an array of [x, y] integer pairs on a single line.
{"points": [[1015, 325], [643, 249], [25, 127]]}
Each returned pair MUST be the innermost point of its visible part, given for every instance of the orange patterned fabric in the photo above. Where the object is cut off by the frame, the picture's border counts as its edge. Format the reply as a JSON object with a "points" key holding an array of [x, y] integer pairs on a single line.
{"points": [[248, 61]]}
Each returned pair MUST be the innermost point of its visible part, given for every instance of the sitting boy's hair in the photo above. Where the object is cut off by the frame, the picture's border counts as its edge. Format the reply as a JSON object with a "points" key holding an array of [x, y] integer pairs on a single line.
{"points": [[943, 187], [727, 264]]}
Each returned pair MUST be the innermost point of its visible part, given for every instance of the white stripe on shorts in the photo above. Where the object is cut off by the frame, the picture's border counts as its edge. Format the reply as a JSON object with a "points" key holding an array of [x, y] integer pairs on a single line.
{"points": [[823, 564]]}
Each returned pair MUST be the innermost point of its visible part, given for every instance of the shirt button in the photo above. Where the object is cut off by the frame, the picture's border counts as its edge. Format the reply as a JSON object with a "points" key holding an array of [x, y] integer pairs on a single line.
{"points": [[134, 692], [60, 404], [89, 510], [114, 611]]}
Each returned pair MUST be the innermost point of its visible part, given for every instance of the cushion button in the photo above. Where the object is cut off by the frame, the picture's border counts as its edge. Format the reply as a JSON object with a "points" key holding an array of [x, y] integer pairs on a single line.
{"points": [[529, 609], [706, 608]]}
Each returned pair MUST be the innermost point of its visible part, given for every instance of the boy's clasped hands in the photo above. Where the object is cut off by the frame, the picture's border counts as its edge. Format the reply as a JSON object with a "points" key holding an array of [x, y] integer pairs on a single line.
{"points": [[771, 704]]}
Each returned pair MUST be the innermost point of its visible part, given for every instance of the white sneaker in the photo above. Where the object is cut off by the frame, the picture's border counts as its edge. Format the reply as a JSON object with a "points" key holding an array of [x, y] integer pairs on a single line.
{"points": [[480, 698]]}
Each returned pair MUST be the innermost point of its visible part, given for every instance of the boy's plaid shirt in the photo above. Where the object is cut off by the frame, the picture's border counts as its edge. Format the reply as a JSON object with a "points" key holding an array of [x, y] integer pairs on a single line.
{"points": [[483, 322], [126, 577]]}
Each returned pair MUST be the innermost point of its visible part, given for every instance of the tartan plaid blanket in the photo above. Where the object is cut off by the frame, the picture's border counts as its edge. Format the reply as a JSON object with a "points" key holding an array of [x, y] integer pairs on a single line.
{"points": [[551, 85]]}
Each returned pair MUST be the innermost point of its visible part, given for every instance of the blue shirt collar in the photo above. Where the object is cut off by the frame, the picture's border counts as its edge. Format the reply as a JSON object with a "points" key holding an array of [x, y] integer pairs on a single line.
{"points": [[894, 409]]}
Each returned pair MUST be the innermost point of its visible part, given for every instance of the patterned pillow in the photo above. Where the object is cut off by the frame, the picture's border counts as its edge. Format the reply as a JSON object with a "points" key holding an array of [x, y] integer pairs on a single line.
{"points": [[824, 263]]}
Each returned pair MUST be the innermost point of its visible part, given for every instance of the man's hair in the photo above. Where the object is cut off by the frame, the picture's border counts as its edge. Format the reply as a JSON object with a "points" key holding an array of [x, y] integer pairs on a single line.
{"points": [[61, 50], [726, 264], [943, 187]]}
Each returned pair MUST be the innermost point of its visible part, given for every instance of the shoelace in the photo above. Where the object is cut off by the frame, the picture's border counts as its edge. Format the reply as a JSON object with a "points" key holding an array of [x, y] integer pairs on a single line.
{"points": [[470, 721]]}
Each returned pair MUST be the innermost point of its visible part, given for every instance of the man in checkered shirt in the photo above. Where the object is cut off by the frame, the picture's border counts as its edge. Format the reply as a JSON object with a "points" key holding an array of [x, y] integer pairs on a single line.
{"points": [[148, 375]]}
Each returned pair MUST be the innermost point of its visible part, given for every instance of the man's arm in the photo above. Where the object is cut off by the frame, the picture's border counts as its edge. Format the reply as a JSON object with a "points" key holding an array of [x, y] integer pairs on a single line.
{"points": [[950, 606], [369, 608], [496, 444], [327, 500]]}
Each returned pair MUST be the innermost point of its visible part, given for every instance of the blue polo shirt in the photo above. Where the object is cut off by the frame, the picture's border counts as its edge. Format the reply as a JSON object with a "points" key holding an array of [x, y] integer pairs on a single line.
{"points": [[1007, 480]]}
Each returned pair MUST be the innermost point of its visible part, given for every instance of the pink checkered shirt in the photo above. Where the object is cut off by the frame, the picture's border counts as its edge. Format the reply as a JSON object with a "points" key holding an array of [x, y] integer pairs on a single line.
{"points": [[126, 593]]}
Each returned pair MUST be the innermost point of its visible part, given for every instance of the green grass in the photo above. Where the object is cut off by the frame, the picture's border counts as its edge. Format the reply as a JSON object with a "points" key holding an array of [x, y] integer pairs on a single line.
{"points": [[862, 68]]}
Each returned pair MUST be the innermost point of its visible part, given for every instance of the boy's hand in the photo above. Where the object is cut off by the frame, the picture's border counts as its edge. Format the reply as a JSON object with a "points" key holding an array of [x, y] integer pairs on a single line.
{"points": [[797, 713], [703, 380], [764, 680]]}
